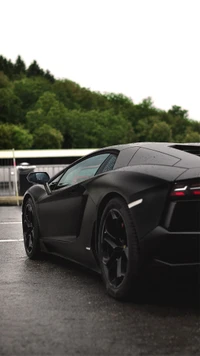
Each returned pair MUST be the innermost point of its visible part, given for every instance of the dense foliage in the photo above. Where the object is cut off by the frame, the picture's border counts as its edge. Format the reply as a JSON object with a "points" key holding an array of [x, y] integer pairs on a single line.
{"points": [[39, 111]]}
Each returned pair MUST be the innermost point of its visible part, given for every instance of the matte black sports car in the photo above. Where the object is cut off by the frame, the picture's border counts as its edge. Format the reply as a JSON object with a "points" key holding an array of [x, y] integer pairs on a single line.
{"points": [[119, 209]]}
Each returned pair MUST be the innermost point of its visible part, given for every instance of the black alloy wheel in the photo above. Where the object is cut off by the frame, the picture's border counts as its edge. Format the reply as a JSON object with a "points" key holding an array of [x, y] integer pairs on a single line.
{"points": [[114, 247], [30, 230], [118, 249]]}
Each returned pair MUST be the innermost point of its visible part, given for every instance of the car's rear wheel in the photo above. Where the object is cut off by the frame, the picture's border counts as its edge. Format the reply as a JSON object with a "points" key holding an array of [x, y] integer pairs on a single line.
{"points": [[31, 230], [118, 250]]}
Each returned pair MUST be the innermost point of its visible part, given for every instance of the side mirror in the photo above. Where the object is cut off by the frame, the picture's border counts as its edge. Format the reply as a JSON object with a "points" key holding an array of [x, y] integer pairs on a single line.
{"points": [[38, 178]]}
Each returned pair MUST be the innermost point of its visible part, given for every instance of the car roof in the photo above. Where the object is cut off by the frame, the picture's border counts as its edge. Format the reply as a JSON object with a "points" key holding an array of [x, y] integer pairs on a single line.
{"points": [[186, 155], [157, 146]]}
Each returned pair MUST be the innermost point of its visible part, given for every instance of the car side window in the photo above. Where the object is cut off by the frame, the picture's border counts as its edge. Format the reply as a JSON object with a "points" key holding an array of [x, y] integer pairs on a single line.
{"points": [[108, 164], [148, 156], [82, 170], [53, 183]]}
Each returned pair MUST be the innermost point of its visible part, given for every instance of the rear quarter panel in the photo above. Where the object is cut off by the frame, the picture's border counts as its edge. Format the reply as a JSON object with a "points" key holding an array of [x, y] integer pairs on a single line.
{"points": [[150, 184]]}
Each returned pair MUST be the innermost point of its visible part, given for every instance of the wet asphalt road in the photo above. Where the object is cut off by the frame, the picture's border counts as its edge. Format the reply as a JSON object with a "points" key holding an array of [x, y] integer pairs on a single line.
{"points": [[54, 307]]}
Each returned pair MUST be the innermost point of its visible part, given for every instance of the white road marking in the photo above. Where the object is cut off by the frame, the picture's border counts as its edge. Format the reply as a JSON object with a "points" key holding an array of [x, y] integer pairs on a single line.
{"points": [[134, 203], [12, 240], [10, 222]]}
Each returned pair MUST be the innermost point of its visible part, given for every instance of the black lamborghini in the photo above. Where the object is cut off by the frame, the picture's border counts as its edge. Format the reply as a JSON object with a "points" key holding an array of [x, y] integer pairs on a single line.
{"points": [[119, 210]]}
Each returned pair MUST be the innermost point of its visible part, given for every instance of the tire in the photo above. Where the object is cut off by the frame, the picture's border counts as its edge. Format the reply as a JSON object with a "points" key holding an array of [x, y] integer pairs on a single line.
{"points": [[31, 231], [118, 250]]}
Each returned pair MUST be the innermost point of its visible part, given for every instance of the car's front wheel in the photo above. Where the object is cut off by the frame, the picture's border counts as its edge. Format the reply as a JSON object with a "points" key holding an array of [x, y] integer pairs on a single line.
{"points": [[118, 250], [30, 230]]}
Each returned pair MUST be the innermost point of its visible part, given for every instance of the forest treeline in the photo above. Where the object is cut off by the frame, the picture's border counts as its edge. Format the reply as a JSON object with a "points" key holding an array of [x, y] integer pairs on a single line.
{"points": [[40, 112]]}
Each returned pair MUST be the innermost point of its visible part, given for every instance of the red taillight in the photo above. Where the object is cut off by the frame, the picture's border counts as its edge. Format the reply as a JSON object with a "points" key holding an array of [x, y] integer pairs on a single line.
{"points": [[179, 190], [186, 190], [195, 192], [177, 194], [195, 189]]}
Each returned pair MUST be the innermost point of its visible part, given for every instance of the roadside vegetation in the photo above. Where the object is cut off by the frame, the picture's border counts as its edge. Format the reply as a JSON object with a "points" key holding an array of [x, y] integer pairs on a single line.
{"points": [[40, 112]]}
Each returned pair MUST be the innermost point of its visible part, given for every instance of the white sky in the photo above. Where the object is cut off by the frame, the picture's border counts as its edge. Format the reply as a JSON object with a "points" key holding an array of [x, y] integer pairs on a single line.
{"points": [[139, 48]]}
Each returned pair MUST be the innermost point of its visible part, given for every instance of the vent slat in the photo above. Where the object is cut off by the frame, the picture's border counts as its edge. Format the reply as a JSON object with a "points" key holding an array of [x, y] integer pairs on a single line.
{"points": [[192, 149]]}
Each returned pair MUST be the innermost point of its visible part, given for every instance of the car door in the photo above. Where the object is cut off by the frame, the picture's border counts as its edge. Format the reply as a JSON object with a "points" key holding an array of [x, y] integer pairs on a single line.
{"points": [[61, 211]]}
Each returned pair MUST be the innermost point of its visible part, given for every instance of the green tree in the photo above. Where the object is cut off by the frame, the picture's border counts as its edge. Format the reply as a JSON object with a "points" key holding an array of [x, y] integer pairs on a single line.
{"points": [[75, 97], [178, 111], [85, 118], [30, 89], [194, 126], [145, 109], [19, 67], [22, 138], [160, 132], [46, 101], [46, 137], [6, 137], [118, 102], [49, 76], [4, 81], [121, 104], [7, 67], [192, 136], [10, 107], [34, 70], [97, 129], [179, 128], [12, 136], [142, 130], [48, 110], [66, 91]]}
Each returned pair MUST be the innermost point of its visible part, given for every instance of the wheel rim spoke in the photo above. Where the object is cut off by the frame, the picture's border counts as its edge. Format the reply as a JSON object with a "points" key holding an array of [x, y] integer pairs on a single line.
{"points": [[113, 214], [110, 235], [28, 227], [110, 260], [30, 241], [119, 267], [126, 251], [110, 242], [114, 248]]}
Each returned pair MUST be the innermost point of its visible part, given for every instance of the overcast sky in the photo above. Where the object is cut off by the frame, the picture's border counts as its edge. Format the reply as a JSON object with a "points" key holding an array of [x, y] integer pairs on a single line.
{"points": [[139, 48]]}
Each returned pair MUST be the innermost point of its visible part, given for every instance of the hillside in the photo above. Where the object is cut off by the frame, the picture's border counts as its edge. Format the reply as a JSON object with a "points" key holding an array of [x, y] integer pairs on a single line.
{"points": [[39, 111]]}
